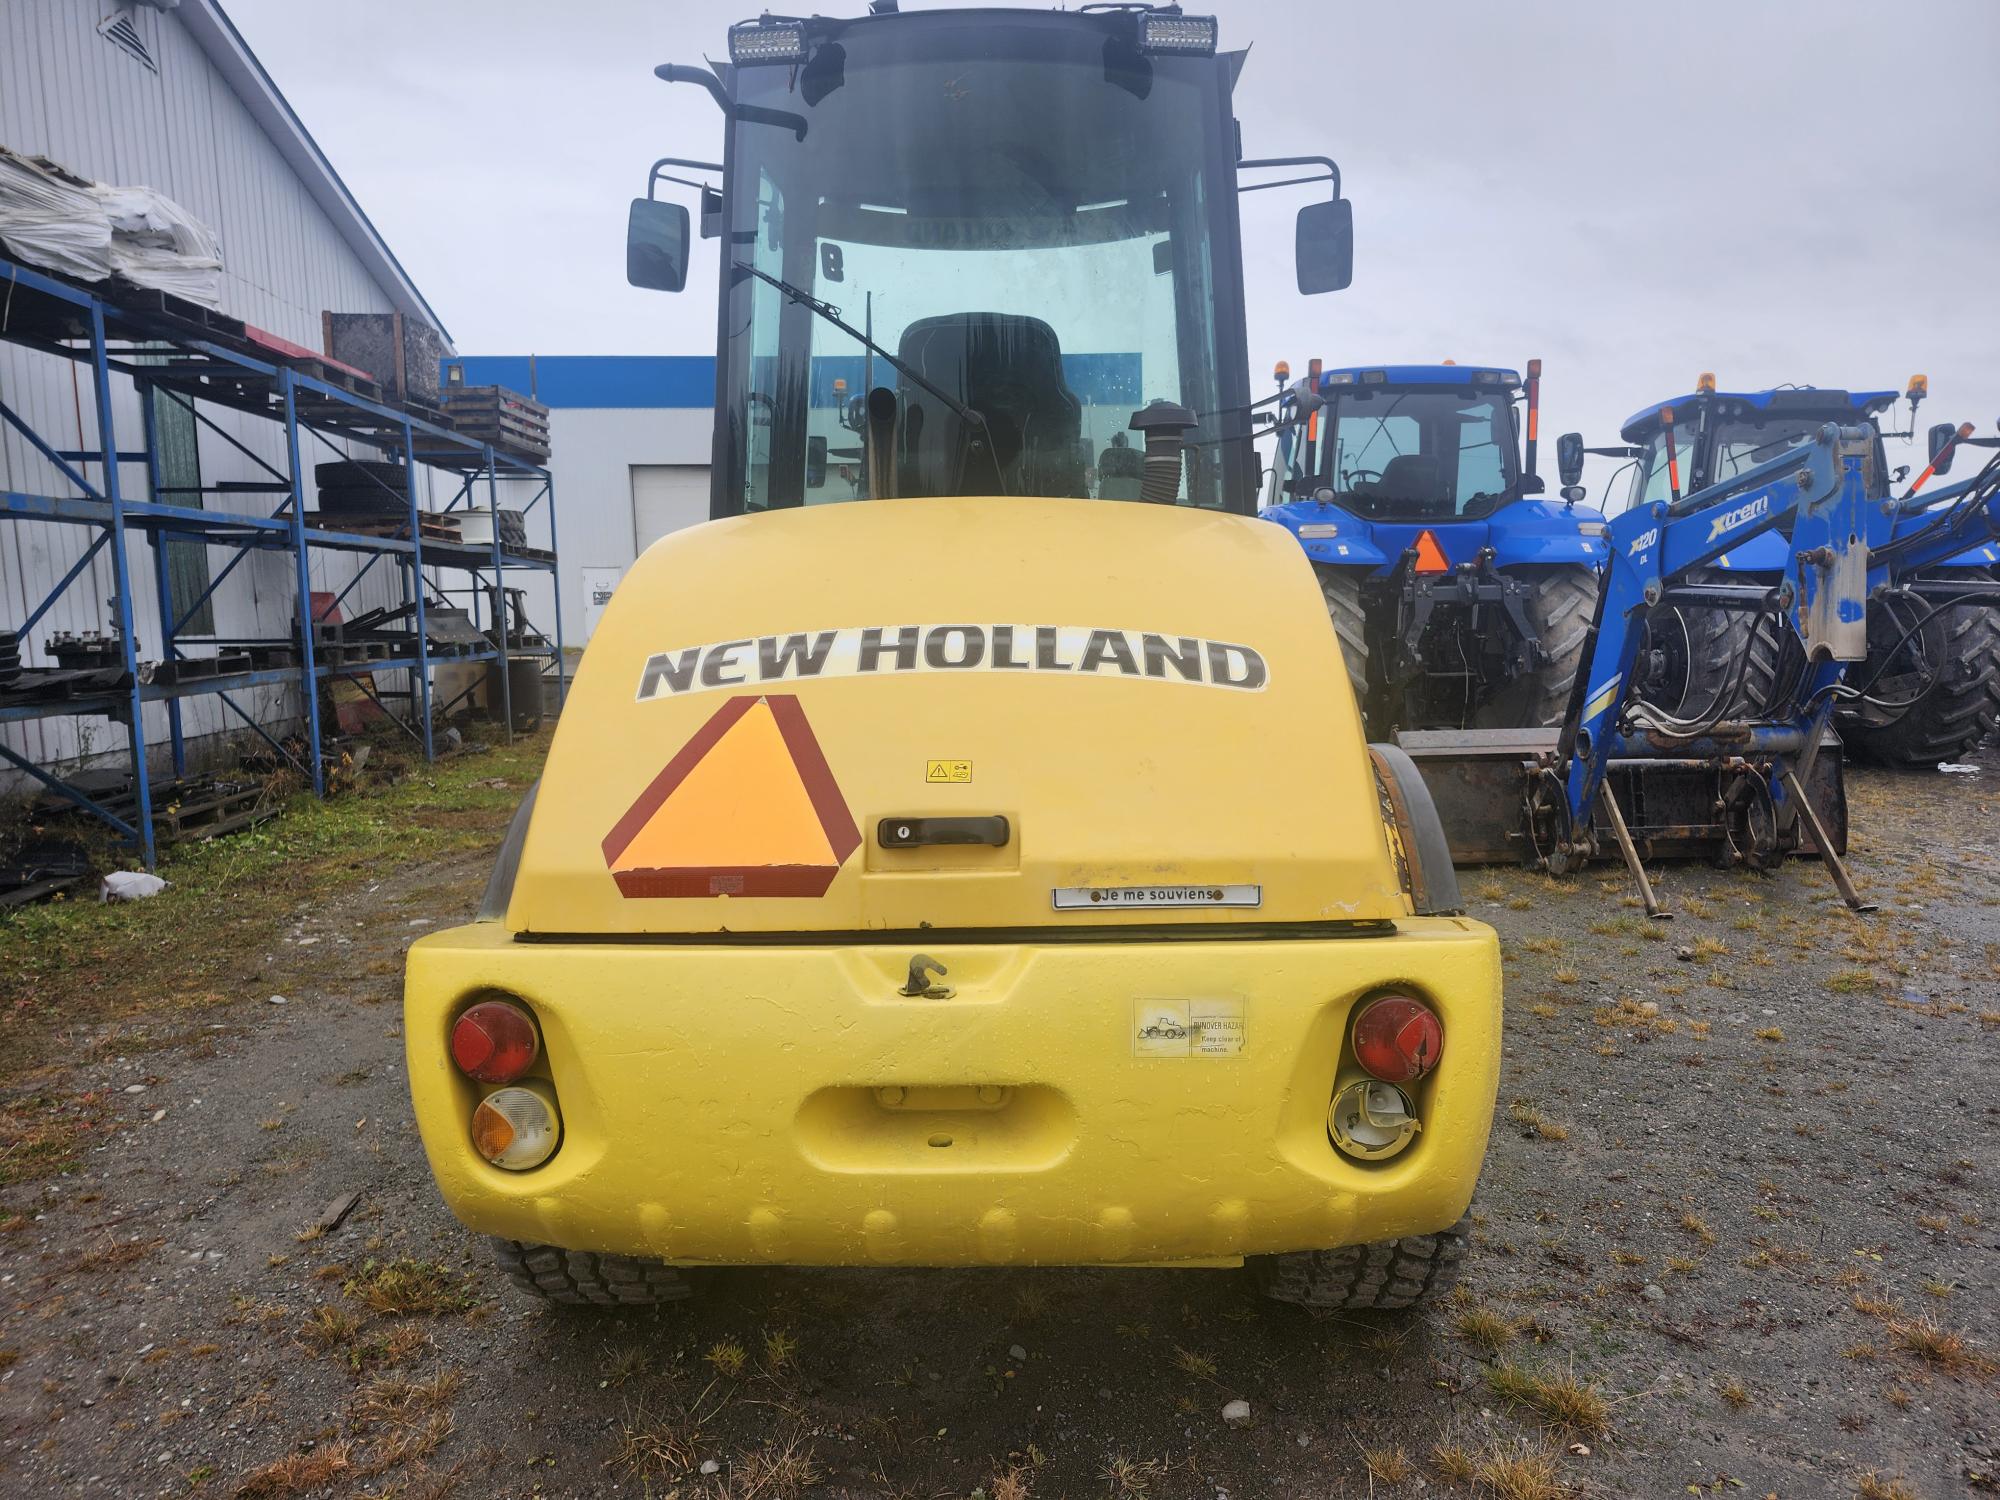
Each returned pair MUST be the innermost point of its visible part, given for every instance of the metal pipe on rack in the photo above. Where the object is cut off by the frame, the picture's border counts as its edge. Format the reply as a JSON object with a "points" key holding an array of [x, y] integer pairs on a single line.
{"points": [[121, 582], [302, 571]]}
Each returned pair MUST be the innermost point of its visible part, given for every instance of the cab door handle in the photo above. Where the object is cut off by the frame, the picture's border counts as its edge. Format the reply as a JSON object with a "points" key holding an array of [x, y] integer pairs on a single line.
{"points": [[915, 833]]}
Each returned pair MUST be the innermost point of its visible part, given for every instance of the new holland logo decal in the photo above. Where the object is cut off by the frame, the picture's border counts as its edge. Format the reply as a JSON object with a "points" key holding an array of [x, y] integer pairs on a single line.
{"points": [[747, 807], [883, 650]]}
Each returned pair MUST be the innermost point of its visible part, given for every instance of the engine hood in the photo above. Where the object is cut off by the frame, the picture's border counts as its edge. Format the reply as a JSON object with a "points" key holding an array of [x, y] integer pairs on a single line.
{"points": [[792, 722]]}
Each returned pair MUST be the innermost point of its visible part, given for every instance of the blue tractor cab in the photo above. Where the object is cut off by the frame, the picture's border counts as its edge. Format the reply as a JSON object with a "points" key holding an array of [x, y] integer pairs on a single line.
{"points": [[1461, 593], [1930, 689]]}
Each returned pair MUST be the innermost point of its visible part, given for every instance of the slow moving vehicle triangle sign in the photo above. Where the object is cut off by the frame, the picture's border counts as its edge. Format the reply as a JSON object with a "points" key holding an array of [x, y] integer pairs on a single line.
{"points": [[747, 807]]}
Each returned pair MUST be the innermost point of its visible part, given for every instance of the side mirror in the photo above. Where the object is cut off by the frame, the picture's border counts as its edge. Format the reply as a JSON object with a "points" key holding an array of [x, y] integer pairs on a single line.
{"points": [[1941, 447], [656, 245], [815, 462], [1324, 247], [1569, 457]]}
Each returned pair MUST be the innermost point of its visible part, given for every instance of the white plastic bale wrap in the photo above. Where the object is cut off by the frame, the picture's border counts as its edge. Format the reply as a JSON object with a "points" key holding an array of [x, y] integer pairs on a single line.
{"points": [[91, 231], [157, 243], [51, 219]]}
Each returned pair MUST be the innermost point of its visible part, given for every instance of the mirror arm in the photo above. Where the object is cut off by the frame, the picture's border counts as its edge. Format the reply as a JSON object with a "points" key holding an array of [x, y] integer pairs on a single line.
{"points": [[681, 73], [656, 176], [755, 113], [1332, 172]]}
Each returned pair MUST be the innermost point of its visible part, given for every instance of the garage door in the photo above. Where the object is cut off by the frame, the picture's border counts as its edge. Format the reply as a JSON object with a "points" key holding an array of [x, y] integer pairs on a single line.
{"points": [[666, 497]]}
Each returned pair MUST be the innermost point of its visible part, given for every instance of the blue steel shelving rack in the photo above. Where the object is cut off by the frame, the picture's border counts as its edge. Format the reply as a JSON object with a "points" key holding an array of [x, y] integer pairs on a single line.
{"points": [[154, 350]]}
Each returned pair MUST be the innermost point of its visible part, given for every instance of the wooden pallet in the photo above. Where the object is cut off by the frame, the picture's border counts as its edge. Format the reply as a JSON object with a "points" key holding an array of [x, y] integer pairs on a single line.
{"points": [[195, 668], [429, 527], [221, 808]]}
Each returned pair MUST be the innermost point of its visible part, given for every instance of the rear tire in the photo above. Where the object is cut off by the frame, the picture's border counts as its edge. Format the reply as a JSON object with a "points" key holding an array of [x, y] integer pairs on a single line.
{"points": [[1714, 642], [579, 1278], [1385, 1276], [1560, 606], [1963, 644], [1341, 588]]}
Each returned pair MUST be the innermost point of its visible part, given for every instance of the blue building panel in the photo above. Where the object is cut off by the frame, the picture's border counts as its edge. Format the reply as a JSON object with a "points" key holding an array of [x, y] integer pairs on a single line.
{"points": [[595, 380]]}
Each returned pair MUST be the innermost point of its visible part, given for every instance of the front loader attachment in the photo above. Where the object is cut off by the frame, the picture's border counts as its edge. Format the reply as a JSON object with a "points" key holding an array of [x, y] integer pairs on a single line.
{"points": [[1488, 786]]}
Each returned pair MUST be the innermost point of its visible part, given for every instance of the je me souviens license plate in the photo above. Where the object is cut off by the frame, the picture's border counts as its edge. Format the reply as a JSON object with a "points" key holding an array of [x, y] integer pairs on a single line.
{"points": [[1140, 897]]}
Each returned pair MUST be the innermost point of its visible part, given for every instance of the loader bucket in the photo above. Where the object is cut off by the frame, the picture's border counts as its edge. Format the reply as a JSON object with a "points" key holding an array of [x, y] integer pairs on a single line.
{"points": [[1479, 779]]}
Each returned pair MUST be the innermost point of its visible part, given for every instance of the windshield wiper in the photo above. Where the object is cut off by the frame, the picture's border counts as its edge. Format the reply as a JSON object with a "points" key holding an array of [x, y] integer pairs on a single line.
{"points": [[967, 414]]}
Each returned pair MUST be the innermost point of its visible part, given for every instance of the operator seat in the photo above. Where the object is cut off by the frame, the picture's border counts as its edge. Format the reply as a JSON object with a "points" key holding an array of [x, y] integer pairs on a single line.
{"points": [[1411, 484], [1008, 367]]}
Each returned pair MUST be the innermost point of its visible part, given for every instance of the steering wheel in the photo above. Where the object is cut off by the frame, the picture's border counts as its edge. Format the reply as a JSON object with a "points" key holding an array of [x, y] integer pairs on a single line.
{"points": [[1364, 475], [763, 410]]}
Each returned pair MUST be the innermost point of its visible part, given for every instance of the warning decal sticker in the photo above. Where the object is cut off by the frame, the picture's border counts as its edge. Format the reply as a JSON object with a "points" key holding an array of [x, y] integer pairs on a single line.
{"points": [[747, 807], [1187, 1028]]}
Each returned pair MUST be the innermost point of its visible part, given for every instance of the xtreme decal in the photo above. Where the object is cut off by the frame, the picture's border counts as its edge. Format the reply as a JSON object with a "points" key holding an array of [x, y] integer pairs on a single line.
{"points": [[1729, 520], [881, 649]]}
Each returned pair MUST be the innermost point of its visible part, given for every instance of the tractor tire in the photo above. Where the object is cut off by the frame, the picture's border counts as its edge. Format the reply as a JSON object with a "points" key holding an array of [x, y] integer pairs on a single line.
{"points": [[1342, 590], [1384, 1276], [1561, 608], [1955, 715], [578, 1278], [1715, 641]]}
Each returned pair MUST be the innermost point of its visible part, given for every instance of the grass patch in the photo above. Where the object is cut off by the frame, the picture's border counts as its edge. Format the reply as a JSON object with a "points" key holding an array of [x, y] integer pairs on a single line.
{"points": [[1872, 1486], [241, 893], [1557, 1396], [409, 1288], [1484, 1328], [1390, 1465], [297, 1473], [1935, 1344], [1519, 1474]]}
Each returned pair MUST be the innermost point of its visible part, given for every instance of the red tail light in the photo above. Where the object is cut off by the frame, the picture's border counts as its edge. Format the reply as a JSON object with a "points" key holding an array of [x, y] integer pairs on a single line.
{"points": [[1397, 1039], [494, 1042]]}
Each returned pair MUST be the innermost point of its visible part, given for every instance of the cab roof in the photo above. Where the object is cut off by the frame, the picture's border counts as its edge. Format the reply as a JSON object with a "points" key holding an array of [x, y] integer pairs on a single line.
{"points": [[1451, 375], [1802, 398]]}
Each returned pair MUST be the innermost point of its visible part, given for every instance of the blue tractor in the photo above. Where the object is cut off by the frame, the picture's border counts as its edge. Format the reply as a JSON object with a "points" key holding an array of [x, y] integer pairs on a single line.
{"points": [[1929, 690], [1462, 597]]}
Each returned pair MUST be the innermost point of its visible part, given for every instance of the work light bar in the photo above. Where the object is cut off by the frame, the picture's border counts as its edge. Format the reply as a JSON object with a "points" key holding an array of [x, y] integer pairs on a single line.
{"points": [[1193, 35], [753, 42]]}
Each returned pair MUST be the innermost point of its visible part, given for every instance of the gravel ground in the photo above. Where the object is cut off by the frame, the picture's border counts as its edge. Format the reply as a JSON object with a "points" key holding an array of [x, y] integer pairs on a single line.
{"points": [[1737, 1233]]}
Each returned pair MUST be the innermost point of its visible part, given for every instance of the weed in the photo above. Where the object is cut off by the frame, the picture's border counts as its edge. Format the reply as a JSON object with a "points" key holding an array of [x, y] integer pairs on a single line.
{"points": [[1872, 1486], [1132, 1479], [1935, 1344], [628, 1363], [1521, 1473], [1011, 1483], [1524, 1114], [729, 1358], [1770, 1034], [1566, 975], [297, 1473], [1628, 1258], [1735, 1393], [1190, 1363], [1860, 1352], [781, 1350], [1851, 981], [1939, 1289], [1453, 1463], [400, 1399], [328, 1328], [1484, 1328], [1390, 1465], [408, 1288], [1557, 1396], [1695, 1225], [117, 1254]]}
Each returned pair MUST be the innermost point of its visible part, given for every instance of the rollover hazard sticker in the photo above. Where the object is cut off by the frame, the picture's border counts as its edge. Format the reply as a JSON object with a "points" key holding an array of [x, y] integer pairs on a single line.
{"points": [[1187, 1028]]}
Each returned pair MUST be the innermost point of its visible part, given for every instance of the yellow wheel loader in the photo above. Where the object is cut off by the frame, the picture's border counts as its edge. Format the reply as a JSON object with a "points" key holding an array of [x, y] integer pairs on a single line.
{"points": [[989, 869]]}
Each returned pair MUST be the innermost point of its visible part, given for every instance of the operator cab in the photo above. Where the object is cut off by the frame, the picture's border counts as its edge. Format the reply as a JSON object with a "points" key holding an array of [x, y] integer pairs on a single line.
{"points": [[1716, 435], [962, 249], [1417, 442]]}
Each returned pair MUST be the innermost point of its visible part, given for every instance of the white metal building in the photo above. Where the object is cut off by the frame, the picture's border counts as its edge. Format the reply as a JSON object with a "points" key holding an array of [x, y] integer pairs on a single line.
{"points": [[629, 438], [167, 95]]}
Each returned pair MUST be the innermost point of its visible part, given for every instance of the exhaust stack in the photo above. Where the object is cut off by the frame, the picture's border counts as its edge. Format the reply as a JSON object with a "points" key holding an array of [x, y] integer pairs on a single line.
{"points": [[1162, 423]]}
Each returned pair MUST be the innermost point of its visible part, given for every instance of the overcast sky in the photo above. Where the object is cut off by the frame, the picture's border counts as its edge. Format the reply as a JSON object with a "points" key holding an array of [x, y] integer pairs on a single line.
{"points": [[1804, 192]]}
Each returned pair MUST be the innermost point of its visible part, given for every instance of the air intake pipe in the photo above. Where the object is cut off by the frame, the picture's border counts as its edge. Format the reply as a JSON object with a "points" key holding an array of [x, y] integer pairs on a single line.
{"points": [[1162, 423]]}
